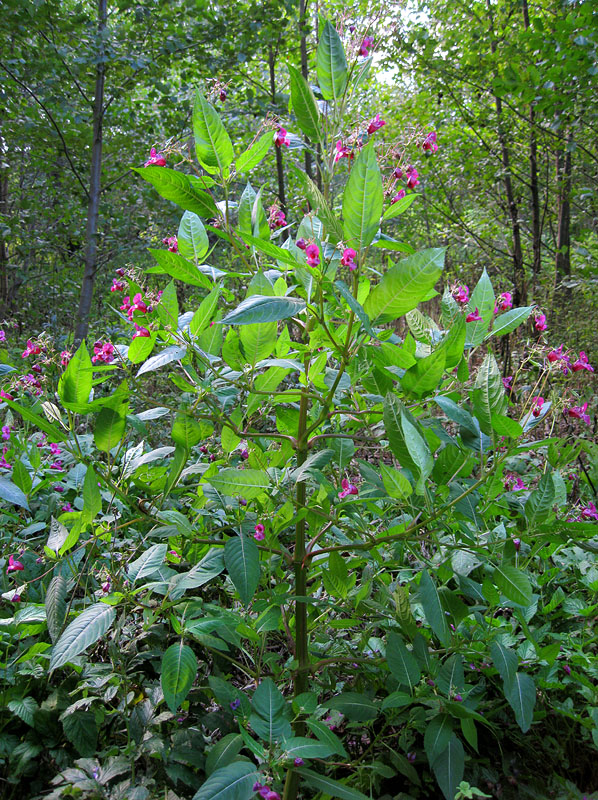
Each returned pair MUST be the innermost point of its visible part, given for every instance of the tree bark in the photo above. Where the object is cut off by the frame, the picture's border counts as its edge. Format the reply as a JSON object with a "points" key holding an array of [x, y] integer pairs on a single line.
{"points": [[563, 235], [304, 67], [533, 177], [95, 180], [279, 167], [4, 289]]}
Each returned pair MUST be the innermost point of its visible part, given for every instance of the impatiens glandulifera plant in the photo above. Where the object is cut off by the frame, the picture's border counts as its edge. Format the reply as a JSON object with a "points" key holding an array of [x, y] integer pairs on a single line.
{"points": [[340, 518]]}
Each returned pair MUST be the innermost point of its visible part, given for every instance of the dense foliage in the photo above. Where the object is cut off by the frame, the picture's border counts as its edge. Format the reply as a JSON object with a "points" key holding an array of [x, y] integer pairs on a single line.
{"points": [[285, 528]]}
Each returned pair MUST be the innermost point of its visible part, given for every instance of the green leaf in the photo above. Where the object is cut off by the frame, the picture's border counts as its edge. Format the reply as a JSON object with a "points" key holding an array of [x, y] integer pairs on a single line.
{"points": [[213, 146], [362, 201], [168, 307], [302, 747], [356, 707], [258, 341], [92, 499], [405, 440], [248, 483], [400, 206], [330, 787], [304, 104], [320, 206], [167, 356], [148, 563], [209, 567], [505, 660], [449, 767], [437, 736], [539, 504], [483, 299], [395, 482], [521, 696], [175, 186], [514, 584], [76, 381], [177, 267], [490, 398], [435, 616], [453, 343], [81, 729], [233, 782], [224, 752], [53, 433], [402, 662], [405, 285], [177, 673], [242, 559], [331, 63], [110, 426], [192, 238], [356, 307], [507, 322], [83, 631], [424, 376], [505, 426], [55, 603], [11, 493], [255, 154], [451, 678], [186, 431], [267, 700], [261, 308], [325, 735], [25, 709], [271, 249], [205, 313]]}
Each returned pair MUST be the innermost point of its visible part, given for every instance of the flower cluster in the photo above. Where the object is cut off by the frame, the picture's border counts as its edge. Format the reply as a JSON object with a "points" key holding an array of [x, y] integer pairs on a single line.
{"points": [[365, 46], [312, 255], [265, 791], [375, 124], [461, 294], [32, 349], [172, 243], [347, 489], [513, 483], [117, 286], [277, 218], [348, 258], [156, 159], [281, 138], [343, 151], [259, 532], [504, 302], [103, 352]]}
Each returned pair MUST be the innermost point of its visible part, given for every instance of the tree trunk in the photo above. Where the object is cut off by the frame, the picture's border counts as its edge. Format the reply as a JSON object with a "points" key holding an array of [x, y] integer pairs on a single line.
{"points": [[304, 67], [4, 290], [95, 178], [563, 235], [279, 168], [533, 178]]}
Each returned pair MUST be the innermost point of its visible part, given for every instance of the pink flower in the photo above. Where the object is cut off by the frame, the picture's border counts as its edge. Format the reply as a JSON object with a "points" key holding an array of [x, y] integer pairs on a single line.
{"points": [[460, 293], [103, 352], [540, 322], [57, 465], [537, 403], [513, 483], [589, 511], [67, 508], [58, 488], [138, 305], [508, 383], [517, 544], [412, 180], [556, 355], [3, 462], [299, 762], [120, 272], [140, 331], [401, 193], [106, 587], [429, 142], [172, 243], [347, 258], [155, 159], [342, 151], [375, 124], [54, 449], [579, 412], [259, 532], [398, 173], [365, 45], [65, 357], [222, 95], [567, 669], [16, 598], [2, 336], [473, 316], [281, 138], [301, 244], [504, 302], [6, 432], [347, 489], [14, 565], [117, 286], [582, 363], [31, 349], [6, 395], [277, 218], [312, 252]]}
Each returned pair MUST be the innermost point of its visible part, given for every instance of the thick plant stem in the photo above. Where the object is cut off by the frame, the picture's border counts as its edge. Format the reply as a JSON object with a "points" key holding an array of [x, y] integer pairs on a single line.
{"points": [[301, 571]]}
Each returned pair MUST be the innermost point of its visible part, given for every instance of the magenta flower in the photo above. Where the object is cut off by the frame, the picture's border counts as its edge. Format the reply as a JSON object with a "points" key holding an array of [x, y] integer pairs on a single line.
{"points": [[54, 449], [412, 179], [281, 138], [579, 412], [16, 598], [277, 218], [299, 762], [106, 587], [411, 756], [347, 489], [556, 355], [236, 703], [342, 151], [6, 395], [259, 534], [155, 160], [32, 349], [461, 293], [429, 142], [103, 352], [398, 173], [67, 508], [58, 488], [401, 193], [57, 465], [347, 258], [540, 322], [517, 544], [65, 357], [473, 316], [140, 331], [117, 286], [365, 46], [6, 432], [120, 272], [513, 483], [3, 462], [301, 244], [537, 403], [138, 305], [172, 243], [2, 336], [312, 252], [504, 302], [567, 669], [14, 565], [582, 363], [222, 95], [508, 383], [589, 512], [375, 124]]}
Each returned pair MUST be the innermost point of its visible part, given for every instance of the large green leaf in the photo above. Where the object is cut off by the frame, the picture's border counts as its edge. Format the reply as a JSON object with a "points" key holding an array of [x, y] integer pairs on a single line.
{"points": [[205, 313], [400, 206], [75, 383], [55, 603], [490, 396], [435, 616], [453, 343], [11, 493], [209, 567], [507, 322], [176, 266], [247, 483], [514, 584], [449, 766], [540, 502], [356, 707], [175, 186], [110, 425], [331, 63], [406, 441], [505, 661], [147, 563], [271, 249], [395, 482], [329, 786], [232, 782], [192, 238], [424, 376], [167, 356], [302, 747], [186, 431], [212, 143], [258, 341], [92, 499], [521, 696], [437, 736], [304, 104], [362, 201], [177, 673], [223, 752], [401, 662], [267, 700], [83, 631], [405, 285], [261, 308], [242, 559], [255, 154], [483, 299]]}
